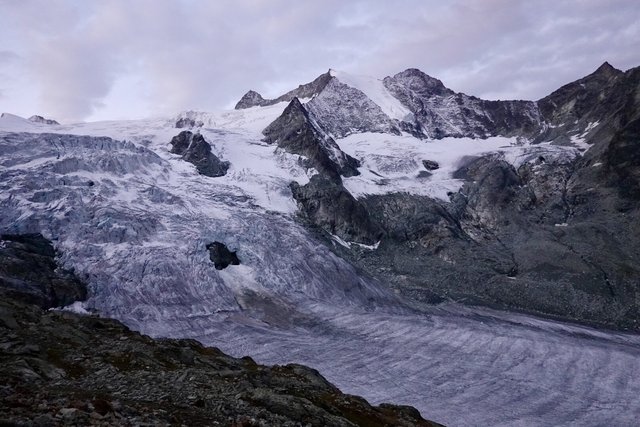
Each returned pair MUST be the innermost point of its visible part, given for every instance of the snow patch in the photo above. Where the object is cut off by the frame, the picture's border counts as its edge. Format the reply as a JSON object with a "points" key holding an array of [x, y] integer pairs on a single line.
{"points": [[391, 163], [78, 307], [348, 245]]}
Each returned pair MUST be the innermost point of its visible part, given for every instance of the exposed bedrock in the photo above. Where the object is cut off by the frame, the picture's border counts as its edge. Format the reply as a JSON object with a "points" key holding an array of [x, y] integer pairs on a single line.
{"points": [[221, 256], [329, 206], [194, 149], [297, 132], [29, 273], [532, 239]]}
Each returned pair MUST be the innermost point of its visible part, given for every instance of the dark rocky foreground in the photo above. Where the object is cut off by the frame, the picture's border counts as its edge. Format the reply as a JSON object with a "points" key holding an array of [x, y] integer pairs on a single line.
{"points": [[60, 368]]}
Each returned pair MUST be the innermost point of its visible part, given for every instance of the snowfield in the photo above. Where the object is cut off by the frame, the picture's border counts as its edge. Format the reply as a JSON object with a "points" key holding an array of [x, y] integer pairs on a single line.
{"points": [[133, 220]]}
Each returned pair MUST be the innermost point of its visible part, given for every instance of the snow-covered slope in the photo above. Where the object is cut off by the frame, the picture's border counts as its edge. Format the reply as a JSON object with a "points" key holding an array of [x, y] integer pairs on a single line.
{"points": [[391, 163], [134, 220], [376, 92]]}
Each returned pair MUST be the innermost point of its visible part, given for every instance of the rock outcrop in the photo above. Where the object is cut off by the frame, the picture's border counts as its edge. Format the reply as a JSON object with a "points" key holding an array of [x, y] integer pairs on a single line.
{"points": [[297, 131], [194, 149], [28, 272], [40, 119], [329, 206], [221, 256], [308, 90]]}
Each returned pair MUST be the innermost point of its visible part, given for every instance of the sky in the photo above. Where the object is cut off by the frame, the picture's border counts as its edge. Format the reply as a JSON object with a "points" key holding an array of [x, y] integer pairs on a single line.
{"points": [[126, 59]]}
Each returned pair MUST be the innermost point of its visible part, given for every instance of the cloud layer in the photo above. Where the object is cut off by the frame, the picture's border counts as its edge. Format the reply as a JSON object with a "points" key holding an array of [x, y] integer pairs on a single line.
{"points": [[75, 60]]}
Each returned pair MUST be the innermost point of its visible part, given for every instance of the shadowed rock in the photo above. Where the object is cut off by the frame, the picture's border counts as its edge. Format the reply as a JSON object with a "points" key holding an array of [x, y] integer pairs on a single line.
{"points": [[29, 272], [430, 165], [187, 122], [194, 149], [297, 132], [329, 206], [40, 119], [221, 256]]}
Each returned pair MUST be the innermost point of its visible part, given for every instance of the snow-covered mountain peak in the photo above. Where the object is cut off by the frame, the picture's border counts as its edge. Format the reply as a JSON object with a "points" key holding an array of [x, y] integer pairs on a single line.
{"points": [[418, 81], [376, 91]]}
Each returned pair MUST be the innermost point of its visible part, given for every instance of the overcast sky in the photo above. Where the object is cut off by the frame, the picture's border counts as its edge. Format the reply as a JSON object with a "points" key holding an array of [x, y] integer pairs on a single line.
{"points": [[115, 59]]}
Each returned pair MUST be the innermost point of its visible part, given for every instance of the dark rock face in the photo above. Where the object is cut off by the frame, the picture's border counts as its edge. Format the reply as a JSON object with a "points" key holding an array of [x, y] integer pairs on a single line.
{"points": [[327, 205], [254, 99], [221, 256], [28, 271], [194, 149], [297, 132], [430, 165], [440, 112], [186, 122], [58, 368], [592, 99], [554, 237], [622, 161], [40, 119]]}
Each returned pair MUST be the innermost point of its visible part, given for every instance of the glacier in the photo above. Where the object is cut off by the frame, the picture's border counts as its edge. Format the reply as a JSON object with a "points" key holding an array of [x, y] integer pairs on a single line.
{"points": [[134, 220]]}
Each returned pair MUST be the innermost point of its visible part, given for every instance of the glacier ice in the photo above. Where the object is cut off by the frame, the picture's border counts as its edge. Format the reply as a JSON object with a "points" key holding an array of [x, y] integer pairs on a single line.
{"points": [[134, 221]]}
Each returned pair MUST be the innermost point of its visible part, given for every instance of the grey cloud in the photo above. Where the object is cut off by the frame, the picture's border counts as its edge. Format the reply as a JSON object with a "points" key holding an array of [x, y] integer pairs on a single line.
{"points": [[7, 56], [205, 55]]}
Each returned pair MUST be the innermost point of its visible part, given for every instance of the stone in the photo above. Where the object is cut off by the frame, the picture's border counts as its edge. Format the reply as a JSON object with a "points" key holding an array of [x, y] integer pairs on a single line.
{"points": [[28, 271], [196, 150], [221, 256], [296, 131], [430, 165], [40, 119]]}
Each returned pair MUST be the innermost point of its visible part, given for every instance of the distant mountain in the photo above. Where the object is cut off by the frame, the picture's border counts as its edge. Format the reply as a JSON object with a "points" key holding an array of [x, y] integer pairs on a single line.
{"points": [[526, 232], [410, 101]]}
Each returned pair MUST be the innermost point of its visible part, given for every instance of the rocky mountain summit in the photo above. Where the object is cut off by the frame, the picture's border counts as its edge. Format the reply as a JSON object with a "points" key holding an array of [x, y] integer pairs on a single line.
{"points": [[410, 101], [296, 131], [61, 368], [309, 90], [552, 233], [40, 119]]}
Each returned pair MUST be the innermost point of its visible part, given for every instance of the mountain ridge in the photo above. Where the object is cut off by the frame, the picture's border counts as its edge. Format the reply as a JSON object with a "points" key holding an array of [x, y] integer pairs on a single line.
{"points": [[436, 111], [503, 210]]}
